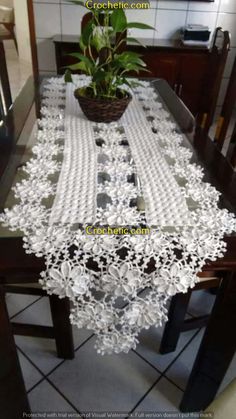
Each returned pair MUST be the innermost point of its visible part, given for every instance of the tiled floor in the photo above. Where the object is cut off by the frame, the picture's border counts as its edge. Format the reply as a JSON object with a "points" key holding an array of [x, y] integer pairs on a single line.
{"points": [[141, 381]]}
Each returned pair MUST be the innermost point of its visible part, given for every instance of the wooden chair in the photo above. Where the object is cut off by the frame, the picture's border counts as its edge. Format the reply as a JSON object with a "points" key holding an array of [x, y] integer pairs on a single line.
{"points": [[13, 397], [6, 99], [232, 146], [177, 321], [209, 278], [19, 277], [225, 118], [218, 344], [11, 274], [219, 52], [7, 24]]}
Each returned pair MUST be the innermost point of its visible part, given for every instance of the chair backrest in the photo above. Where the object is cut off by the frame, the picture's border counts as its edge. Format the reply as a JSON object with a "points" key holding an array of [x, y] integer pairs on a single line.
{"points": [[225, 118], [6, 14], [232, 148], [6, 98], [217, 60], [7, 3]]}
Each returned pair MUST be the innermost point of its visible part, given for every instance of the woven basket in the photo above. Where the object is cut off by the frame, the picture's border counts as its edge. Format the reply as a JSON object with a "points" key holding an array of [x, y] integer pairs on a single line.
{"points": [[102, 110]]}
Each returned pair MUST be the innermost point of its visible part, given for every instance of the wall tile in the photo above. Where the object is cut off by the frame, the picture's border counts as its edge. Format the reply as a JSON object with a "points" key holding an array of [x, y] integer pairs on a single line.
{"points": [[153, 4], [46, 55], [169, 23], [174, 5], [71, 19], [204, 7], [47, 20], [147, 16], [228, 22], [47, 1], [228, 6]]}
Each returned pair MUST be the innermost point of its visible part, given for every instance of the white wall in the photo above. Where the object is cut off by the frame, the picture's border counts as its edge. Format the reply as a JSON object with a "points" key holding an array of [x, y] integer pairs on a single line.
{"points": [[22, 30], [59, 17]]}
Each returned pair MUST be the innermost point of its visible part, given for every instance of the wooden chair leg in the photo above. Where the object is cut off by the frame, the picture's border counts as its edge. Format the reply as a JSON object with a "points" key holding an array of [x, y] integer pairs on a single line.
{"points": [[60, 310], [176, 316], [13, 397]]}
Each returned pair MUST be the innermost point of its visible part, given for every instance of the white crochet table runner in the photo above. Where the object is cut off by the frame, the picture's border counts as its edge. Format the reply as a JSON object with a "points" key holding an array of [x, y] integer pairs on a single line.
{"points": [[90, 169], [75, 200]]}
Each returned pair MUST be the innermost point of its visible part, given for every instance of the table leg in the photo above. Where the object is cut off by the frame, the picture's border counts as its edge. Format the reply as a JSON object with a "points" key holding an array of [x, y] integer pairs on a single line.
{"points": [[216, 350], [13, 397], [60, 310], [176, 316]]}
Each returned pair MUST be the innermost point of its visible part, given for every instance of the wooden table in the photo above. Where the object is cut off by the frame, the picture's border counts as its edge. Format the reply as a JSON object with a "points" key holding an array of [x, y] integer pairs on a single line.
{"points": [[219, 341]]}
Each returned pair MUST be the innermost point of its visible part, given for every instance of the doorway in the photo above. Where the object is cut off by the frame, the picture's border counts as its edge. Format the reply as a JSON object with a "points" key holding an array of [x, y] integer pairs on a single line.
{"points": [[20, 48]]}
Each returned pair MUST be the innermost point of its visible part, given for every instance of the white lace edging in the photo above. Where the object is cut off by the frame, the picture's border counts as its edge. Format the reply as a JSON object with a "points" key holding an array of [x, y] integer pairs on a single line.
{"points": [[132, 276]]}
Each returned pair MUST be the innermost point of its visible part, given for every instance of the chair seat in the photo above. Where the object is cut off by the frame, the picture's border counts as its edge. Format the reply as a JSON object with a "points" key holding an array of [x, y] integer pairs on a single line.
{"points": [[4, 33], [6, 14], [204, 276], [35, 285]]}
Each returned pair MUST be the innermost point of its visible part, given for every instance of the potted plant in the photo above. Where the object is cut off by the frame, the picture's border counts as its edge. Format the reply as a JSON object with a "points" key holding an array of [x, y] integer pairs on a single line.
{"points": [[105, 98]]}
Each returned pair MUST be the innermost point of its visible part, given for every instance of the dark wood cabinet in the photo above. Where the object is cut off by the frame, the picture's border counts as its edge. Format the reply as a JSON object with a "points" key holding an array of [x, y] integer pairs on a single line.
{"points": [[191, 79], [185, 68], [185, 72], [163, 65]]}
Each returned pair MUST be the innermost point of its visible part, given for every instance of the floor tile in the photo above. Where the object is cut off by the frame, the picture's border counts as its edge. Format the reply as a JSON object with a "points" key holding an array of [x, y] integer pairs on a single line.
{"points": [[104, 383], [201, 302], [43, 351], [164, 397], [44, 398], [230, 374], [180, 370], [38, 313], [30, 374], [149, 347], [17, 302]]}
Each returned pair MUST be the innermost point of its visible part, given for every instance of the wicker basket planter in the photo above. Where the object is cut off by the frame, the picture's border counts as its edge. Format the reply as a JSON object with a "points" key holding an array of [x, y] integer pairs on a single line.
{"points": [[102, 110]]}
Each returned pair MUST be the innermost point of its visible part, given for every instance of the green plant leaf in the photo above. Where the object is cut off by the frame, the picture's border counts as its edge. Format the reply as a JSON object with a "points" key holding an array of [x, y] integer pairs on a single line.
{"points": [[79, 66], [83, 58], [138, 25], [81, 44], [98, 39], [129, 57], [100, 75], [87, 32], [135, 41], [68, 77], [118, 20]]}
